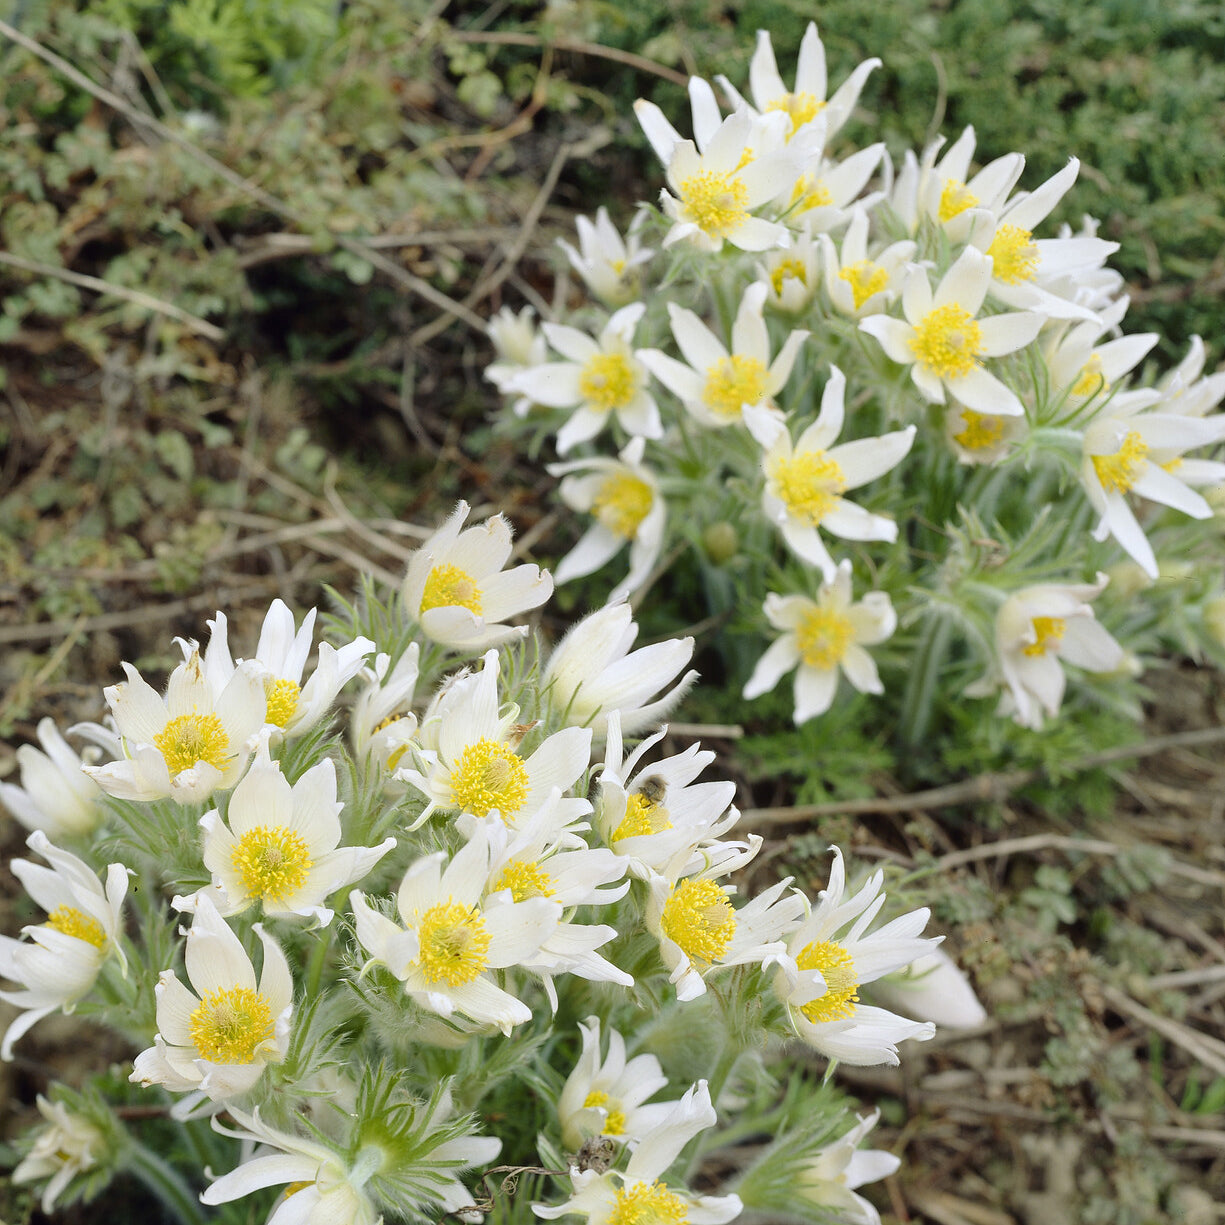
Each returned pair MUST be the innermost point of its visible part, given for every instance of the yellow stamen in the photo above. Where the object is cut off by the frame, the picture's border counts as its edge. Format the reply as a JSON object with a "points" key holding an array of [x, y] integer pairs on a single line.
{"points": [[788, 268], [808, 193], [700, 920], [647, 1203], [489, 776], [823, 637], [272, 862], [1015, 254], [841, 981], [641, 817], [947, 341], [622, 502], [1119, 472], [193, 738], [448, 587], [231, 1025], [77, 923], [1048, 632], [733, 382], [865, 279], [801, 108], [614, 1119], [955, 198], [808, 484], [525, 880], [607, 381], [981, 430], [282, 701], [454, 944], [1091, 380], [716, 203]]}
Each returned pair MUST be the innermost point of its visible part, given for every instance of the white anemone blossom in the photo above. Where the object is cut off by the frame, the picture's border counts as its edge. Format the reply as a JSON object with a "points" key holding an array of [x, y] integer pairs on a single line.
{"points": [[69, 1145], [825, 965], [218, 1036], [593, 672], [457, 590], [607, 262], [454, 938], [858, 284], [606, 1095], [279, 845], [60, 961], [821, 638], [518, 344], [194, 741], [840, 1168], [805, 480], [717, 386], [943, 341], [56, 795], [639, 1194], [624, 497], [382, 723]]}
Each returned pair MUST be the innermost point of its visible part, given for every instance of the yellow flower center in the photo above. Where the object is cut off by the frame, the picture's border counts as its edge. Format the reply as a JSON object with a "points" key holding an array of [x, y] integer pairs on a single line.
{"points": [[981, 430], [647, 1203], [791, 267], [454, 944], [801, 108], [1015, 254], [700, 920], [447, 587], [733, 382], [865, 279], [841, 982], [614, 1119], [947, 341], [489, 776], [622, 502], [808, 193], [607, 381], [525, 880], [231, 1025], [1091, 380], [823, 636], [641, 817], [1048, 632], [1120, 471], [189, 739], [77, 923], [808, 484], [715, 203], [282, 701], [272, 862], [955, 198]]}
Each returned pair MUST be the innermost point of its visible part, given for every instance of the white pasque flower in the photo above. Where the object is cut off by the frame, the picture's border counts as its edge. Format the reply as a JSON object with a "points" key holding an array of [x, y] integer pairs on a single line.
{"points": [[218, 1036], [840, 1167], [69, 1145], [607, 263], [713, 194], [1034, 629], [700, 932], [456, 589], [980, 438], [655, 815], [805, 481], [599, 377], [859, 285], [792, 274], [624, 496], [56, 795], [638, 1194], [519, 345], [1116, 451], [807, 100], [943, 341], [947, 193], [821, 637], [60, 962], [381, 722], [823, 198], [604, 1096], [819, 977], [932, 988], [715, 385], [194, 741], [454, 937], [278, 845], [467, 758], [592, 672], [281, 655]]}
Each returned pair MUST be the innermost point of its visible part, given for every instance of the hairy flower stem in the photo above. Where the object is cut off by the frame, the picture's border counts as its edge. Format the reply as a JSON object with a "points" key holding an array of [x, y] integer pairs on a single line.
{"points": [[921, 686], [165, 1183]]}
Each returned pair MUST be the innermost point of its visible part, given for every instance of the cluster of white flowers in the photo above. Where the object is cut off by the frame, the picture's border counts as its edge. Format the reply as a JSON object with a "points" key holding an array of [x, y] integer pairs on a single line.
{"points": [[493, 861], [944, 330]]}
